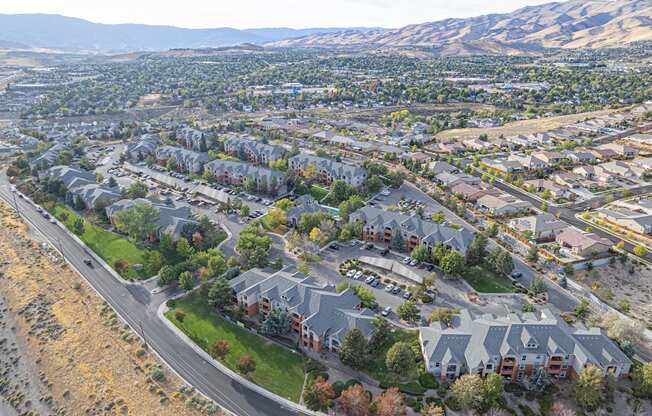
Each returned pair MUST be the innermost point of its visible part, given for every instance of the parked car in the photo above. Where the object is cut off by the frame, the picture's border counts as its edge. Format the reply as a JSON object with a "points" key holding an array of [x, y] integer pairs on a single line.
{"points": [[350, 273], [384, 251], [386, 311], [413, 262], [407, 260], [407, 295], [516, 275], [396, 290], [369, 280], [375, 283], [357, 275], [389, 288]]}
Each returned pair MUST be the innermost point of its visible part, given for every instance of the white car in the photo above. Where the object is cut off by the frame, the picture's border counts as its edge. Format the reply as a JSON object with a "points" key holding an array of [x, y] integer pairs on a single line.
{"points": [[407, 260], [350, 273], [386, 311], [389, 288], [385, 193], [358, 275]]}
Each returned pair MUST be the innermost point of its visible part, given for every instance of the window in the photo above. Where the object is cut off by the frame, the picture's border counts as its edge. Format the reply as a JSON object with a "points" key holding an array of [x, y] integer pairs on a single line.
{"points": [[523, 357], [436, 364], [490, 366], [521, 367]]}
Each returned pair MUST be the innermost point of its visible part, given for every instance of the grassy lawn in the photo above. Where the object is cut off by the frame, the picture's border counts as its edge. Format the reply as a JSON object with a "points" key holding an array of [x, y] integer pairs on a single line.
{"points": [[485, 281], [315, 191], [277, 368], [376, 367], [107, 245]]}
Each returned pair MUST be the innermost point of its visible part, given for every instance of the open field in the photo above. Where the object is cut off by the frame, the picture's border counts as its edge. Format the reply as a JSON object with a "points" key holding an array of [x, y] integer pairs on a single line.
{"points": [[77, 355], [519, 127], [111, 247], [485, 281], [277, 368]]}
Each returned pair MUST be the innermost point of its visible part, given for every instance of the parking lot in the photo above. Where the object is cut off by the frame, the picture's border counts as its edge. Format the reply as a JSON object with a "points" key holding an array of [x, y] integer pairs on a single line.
{"points": [[448, 293]]}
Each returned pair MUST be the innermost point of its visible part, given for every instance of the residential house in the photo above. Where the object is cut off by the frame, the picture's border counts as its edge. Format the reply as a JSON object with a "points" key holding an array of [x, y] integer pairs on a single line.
{"points": [[583, 244], [549, 157], [504, 166], [265, 180], [254, 151], [319, 315], [171, 221], [411, 231], [329, 170], [186, 160], [567, 179], [529, 162], [449, 180], [516, 347], [49, 157], [469, 192], [594, 173], [632, 220], [70, 177], [439, 166], [603, 155], [502, 205], [453, 148], [543, 185], [623, 169], [580, 156], [622, 150], [477, 144], [540, 227]]}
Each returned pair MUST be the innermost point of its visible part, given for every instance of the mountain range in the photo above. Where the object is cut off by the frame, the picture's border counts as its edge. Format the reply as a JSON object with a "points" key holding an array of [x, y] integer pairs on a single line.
{"points": [[73, 34], [571, 24]]}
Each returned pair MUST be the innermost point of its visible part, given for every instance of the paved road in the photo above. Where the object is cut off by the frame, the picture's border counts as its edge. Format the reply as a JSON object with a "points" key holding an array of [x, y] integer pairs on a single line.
{"points": [[568, 215], [135, 304]]}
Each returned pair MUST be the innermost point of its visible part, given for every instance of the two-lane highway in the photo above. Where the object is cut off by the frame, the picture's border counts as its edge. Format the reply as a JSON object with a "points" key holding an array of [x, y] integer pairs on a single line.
{"points": [[140, 313]]}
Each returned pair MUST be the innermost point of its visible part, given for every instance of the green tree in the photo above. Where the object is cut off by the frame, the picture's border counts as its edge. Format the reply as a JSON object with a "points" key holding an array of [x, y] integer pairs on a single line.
{"points": [[409, 312], [216, 265], [380, 333], [468, 392], [171, 163], [420, 253], [277, 323], [112, 182], [186, 281], [492, 391], [589, 389], [640, 251], [78, 226], [643, 379], [538, 286], [184, 249], [533, 254], [397, 242], [452, 263], [442, 315], [220, 295], [245, 210], [152, 262], [253, 246], [400, 359], [137, 190], [353, 349], [138, 222], [477, 251]]}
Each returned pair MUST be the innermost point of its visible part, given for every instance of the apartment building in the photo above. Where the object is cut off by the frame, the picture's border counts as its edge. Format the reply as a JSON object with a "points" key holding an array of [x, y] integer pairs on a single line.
{"points": [[516, 346], [186, 160], [266, 181], [380, 225], [254, 151], [329, 170], [319, 316]]}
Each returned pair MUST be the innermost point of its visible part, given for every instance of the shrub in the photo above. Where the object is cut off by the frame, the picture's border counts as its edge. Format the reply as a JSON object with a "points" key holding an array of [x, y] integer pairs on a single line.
{"points": [[428, 381], [179, 315], [157, 374]]}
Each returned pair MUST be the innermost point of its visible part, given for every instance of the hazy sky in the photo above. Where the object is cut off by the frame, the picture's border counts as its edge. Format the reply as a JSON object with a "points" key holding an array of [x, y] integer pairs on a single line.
{"points": [[266, 13]]}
